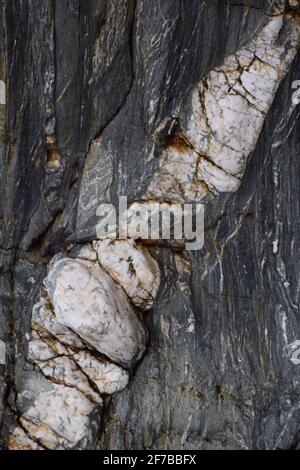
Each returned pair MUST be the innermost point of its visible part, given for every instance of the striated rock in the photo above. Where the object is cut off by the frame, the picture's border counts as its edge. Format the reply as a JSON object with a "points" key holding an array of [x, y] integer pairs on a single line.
{"points": [[170, 102], [132, 267]]}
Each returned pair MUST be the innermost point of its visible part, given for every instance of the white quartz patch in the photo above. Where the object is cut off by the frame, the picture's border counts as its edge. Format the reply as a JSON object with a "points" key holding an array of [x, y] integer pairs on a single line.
{"points": [[88, 301], [42, 345], [43, 319], [39, 350], [217, 179], [229, 106], [65, 411], [108, 377], [293, 352], [132, 267], [81, 313], [176, 181], [226, 115], [64, 370]]}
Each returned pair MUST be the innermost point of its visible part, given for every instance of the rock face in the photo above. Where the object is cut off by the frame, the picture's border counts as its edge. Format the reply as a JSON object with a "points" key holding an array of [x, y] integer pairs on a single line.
{"points": [[173, 102]]}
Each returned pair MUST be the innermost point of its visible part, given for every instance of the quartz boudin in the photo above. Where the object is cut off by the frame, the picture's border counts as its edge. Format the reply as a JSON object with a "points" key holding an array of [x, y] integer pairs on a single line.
{"points": [[227, 112], [86, 333]]}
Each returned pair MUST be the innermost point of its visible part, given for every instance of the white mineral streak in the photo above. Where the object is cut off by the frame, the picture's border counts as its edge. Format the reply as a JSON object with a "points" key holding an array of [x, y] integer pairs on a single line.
{"points": [[227, 113], [2, 92], [2, 352], [87, 300], [132, 267], [101, 176]]}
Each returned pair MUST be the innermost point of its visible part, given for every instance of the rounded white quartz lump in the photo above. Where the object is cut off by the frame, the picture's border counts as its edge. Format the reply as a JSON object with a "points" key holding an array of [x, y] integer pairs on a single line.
{"points": [[87, 300], [131, 267]]}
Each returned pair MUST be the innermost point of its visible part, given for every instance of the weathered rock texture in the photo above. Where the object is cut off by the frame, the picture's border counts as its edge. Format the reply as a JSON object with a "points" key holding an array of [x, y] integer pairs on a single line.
{"points": [[176, 101], [82, 313]]}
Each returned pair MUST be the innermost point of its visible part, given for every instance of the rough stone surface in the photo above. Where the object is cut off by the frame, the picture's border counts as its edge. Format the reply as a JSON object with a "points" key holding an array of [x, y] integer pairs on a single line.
{"points": [[132, 268], [21, 441], [108, 377], [87, 301], [106, 98], [227, 111], [64, 411]]}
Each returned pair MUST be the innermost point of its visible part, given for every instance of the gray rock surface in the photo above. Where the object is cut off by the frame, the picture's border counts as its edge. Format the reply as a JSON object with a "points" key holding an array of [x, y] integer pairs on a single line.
{"points": [[94, 91]]}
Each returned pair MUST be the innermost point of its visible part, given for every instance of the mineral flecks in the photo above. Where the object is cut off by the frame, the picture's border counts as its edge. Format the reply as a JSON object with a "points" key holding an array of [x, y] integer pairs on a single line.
{"points": [[84, 321], [225, 118]]}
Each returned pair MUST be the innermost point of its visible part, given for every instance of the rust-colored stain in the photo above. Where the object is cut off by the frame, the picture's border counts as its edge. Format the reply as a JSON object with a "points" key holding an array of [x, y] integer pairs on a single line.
{"points": [[53, 156], [177, 142]]}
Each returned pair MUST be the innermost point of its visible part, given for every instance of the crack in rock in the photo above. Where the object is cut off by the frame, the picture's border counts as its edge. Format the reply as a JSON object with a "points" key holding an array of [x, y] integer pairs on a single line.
{"points": [[87, 327], [226, 115], [131, 267], [84, 314]]}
